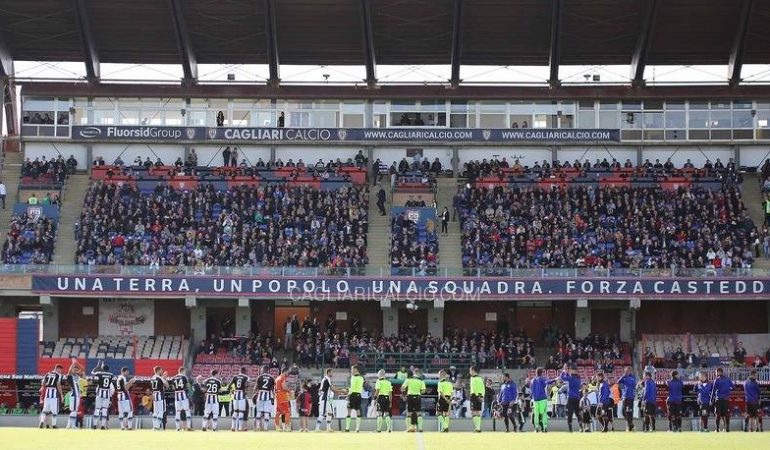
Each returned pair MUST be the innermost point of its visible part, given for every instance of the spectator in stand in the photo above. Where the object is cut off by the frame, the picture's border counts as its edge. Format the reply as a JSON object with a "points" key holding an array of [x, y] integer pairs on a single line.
{"points": [[739, 355], [30, 240], [409, 251], [45, 170], [3, 193]]}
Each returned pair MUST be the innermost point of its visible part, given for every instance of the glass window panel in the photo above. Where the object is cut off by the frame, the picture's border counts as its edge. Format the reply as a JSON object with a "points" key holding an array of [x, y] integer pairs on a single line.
{"points": [[653, 120], [566, 121], [587, 119], [675, 105], [199, 102], [174, 118], [721, 119], [81, 102], [698, 119], [325, 119], [39, 104], [632, 106], [198, 118], [492, 121], [742, 104], [458, 106], [354, 107], [403, 105], [653, 105], [699, 105], [458, 120], [586, 104], [608, 119], [742, 118], [128, 117], [104, 116], [720, 105], [521, 108], [492, 107], [353, 120], [541, 121], [380, 121], [631, 120], [763, 118], [518, 120], [298, 119], [675, 119], [608, 105], [763, 104], [433, 105], [261, 118], [129, 101], [380, 106]]}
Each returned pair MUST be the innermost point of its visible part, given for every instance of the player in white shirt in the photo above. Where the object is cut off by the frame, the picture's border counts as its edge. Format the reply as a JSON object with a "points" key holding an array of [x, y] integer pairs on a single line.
{"points": [[51, 396], [73, 379], [326, 393], [211, 388], [125, 408], [264, 397], [181, 384], [103, 379], [158, 384]]}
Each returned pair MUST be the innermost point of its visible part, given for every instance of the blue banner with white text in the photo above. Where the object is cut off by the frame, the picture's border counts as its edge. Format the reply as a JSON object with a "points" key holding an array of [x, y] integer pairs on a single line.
{"points": [[404, 288], [371, 135]]}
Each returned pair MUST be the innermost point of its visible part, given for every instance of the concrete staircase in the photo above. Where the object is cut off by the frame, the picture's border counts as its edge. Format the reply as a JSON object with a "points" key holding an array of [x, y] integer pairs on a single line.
{"points": [[450, 251], [74, 193], [11, 174], [378, 248], [751, 193]]}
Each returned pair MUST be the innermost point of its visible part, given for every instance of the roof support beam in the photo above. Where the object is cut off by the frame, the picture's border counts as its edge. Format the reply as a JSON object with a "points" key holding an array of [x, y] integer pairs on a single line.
{"points": [[6, 85], [189, 63], [272, 43], [368, 34], [457, 40], [639, 58], [555, 53], [736, 53], [90, 56]]}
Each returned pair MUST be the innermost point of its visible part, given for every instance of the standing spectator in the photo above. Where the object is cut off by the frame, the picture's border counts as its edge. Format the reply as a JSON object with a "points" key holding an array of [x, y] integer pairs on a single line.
{"points": [[445, 221], [226, 156], [221, 120], [234, 157], [489, 394], [287, 338], [281, 120], [147, 402], [739, 355], [3, 192], [197, 396], [381, 198]]}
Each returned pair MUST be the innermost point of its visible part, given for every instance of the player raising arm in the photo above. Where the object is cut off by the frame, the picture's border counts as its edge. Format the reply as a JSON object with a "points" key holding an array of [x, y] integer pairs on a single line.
{"points": [[73, 379], [158, 384]]}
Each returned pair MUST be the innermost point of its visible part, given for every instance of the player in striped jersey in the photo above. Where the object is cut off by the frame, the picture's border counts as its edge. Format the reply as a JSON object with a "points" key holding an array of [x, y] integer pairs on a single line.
{"points": [[51, 396], [104, 386], [73, 379], [181, 384], [125, 408], [211, 386], [238, 389], [158, 384], [264, 398], [326, 393]]}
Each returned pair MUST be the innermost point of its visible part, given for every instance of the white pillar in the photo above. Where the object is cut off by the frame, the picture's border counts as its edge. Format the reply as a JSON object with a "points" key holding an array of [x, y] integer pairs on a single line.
{"points": [[243, 317], [582, 320], [51, 321], [626, 325], [197, 320], [436, 321], [389, 318]]}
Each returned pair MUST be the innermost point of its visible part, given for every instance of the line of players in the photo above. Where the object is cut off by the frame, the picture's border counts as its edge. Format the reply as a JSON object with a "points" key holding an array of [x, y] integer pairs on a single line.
{"points": [[275, 394]]}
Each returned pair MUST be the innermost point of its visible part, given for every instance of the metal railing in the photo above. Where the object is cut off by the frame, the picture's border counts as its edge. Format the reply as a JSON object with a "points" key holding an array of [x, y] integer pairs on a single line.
{"points": [[392, 362], [84, 269], [693, 374]]}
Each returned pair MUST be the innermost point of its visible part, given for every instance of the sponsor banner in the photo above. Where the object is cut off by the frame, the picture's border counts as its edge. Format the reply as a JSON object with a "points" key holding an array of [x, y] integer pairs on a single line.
{"points": [[120, 317], [402, 288], [418, 135]]}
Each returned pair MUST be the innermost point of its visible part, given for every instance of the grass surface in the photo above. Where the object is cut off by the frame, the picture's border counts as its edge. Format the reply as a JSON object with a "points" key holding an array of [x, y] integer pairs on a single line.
{"points": [[32, 438]]}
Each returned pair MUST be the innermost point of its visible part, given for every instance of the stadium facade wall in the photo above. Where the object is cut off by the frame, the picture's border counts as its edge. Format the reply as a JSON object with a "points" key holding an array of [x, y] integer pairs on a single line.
{"points": [[700, 317], [8, 337], [305, 152], [52, 150], [79, 317], [27, 338], [211, 155]]}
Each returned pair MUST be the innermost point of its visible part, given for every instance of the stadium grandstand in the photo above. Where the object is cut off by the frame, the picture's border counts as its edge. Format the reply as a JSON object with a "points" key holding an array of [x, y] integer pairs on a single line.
{"points": [[576, 190]]}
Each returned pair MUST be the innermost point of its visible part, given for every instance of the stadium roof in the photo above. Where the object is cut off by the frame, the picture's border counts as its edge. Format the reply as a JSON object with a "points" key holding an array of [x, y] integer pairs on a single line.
{"points": [[371, 32]]}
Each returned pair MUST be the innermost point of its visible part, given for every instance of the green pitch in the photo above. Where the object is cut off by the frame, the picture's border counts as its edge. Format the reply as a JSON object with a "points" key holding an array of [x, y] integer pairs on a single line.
{"points": [[32, 438]]}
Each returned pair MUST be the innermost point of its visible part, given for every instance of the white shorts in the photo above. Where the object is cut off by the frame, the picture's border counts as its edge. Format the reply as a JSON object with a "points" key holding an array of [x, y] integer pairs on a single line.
{"points": [[158, 409], [239, 405], [325, 408], [51, 406], [102, 403], [74, 405], [211, 409], [125, 409], [264, 406], [182, 405]]}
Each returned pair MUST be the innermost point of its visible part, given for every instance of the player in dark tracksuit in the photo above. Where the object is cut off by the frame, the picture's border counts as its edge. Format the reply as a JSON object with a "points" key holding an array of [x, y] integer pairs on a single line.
{"points": [[604, 411], [753, 421], [573, 394], [675, 387], [649, 397], [720, 398], [627, 384]]}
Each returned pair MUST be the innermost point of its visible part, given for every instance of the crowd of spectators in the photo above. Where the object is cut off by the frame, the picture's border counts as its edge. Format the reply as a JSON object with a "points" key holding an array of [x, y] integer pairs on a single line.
{"points": [[494, 167], [48, 170], [270, 225], [412, 248], [601, 349], [606, 227], [30, 240]]}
